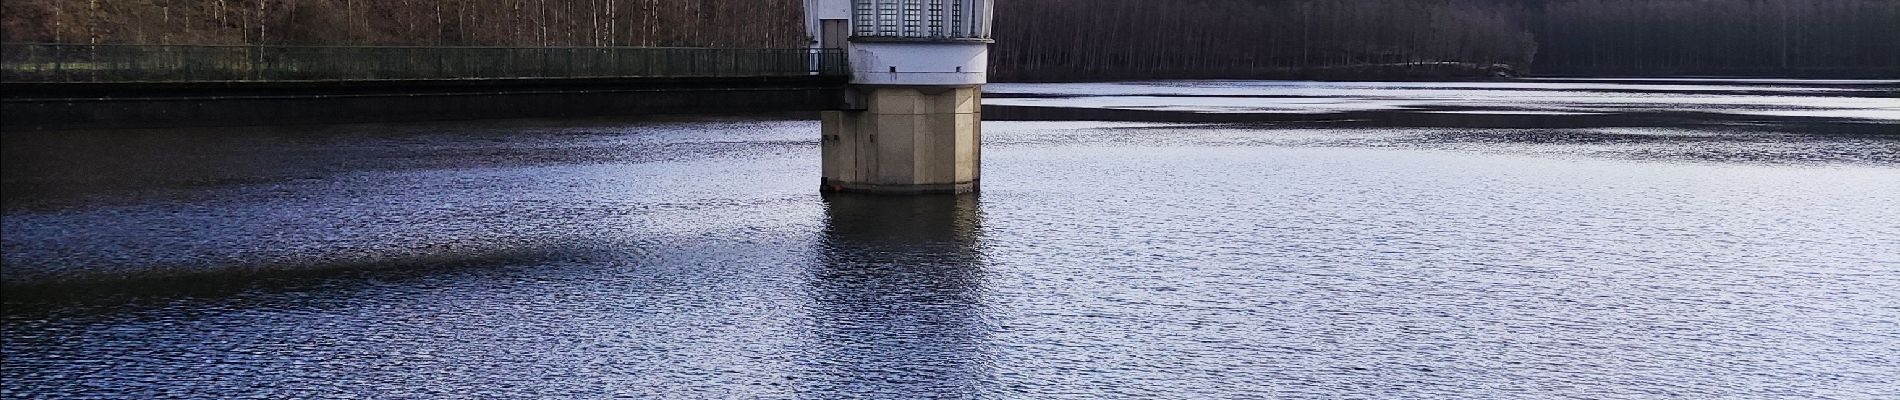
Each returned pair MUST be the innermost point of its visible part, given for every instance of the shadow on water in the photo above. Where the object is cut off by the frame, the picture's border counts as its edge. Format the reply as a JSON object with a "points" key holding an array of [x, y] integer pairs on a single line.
{"points": [[899, 295], [159, 286]]}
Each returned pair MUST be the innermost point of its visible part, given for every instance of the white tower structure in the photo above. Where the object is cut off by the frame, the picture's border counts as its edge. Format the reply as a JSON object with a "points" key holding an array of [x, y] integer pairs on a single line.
{"points": [[918, 67]]}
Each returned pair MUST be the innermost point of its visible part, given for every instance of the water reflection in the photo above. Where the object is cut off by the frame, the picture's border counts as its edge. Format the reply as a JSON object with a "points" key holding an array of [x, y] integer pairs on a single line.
{"points": [[1455, 117], [1106, 260], [898, 298], [1861, 107]]}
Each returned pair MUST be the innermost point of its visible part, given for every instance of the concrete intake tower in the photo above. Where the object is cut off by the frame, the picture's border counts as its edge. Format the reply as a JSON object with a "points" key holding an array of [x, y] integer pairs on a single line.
{"points": [[913, 123]]}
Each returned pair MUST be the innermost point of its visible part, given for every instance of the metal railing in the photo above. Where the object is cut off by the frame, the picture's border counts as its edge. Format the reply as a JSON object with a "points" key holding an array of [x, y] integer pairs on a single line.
{"points": [[35, 62]]}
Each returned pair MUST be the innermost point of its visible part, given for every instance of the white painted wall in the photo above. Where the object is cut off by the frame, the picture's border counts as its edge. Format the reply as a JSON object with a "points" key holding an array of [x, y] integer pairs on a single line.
{"points": [[920, 63]]}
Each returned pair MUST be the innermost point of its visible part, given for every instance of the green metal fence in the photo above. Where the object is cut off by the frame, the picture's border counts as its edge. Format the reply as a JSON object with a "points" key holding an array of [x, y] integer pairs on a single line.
{"points": [[180, 63]]}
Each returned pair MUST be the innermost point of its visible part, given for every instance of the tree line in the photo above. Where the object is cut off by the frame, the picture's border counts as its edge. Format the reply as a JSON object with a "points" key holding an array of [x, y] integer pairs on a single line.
{"points": [[1091, 39], [524, 23], [1730, 37], [1078, 39], [1058, 39]]}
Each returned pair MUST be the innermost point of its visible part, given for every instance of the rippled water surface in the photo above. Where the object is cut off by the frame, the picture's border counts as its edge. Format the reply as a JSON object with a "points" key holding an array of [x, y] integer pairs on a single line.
{"points": [[1592, 239]]}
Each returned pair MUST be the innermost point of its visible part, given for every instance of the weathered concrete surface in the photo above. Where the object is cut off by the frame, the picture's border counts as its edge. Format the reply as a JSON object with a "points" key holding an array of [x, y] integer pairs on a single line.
{"points": [[908, 140]]}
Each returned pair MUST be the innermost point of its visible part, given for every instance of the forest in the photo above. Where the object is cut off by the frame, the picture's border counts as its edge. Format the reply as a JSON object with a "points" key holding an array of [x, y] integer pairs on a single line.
{"points": [[1719, 37], [1081, 39], [519, 23], [1238, 39]]}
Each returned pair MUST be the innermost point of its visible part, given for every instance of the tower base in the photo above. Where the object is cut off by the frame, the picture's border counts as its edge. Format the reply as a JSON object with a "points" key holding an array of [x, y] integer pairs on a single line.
{"points": [[908, 140]]}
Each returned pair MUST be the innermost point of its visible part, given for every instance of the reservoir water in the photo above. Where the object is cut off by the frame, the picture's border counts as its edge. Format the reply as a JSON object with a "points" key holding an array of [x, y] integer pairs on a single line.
{"points": [[1600, 239]]}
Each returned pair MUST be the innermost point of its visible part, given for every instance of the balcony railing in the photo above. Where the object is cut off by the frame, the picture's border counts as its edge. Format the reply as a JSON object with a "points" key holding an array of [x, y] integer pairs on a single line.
{"points": [[197, 63]]}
